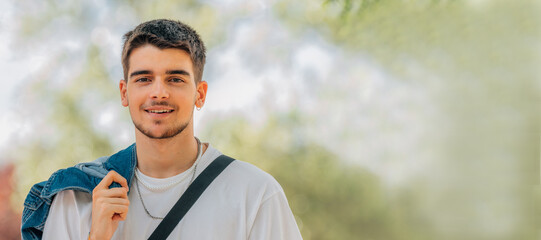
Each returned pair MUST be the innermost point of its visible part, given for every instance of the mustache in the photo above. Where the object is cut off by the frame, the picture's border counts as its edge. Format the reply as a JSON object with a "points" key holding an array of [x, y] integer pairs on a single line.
{"points": [[158, 103]]}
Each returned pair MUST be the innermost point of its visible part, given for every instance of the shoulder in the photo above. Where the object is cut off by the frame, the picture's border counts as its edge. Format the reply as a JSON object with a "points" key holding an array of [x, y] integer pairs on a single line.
{"points": [[248, 177], [248, 171], [240, 171]]}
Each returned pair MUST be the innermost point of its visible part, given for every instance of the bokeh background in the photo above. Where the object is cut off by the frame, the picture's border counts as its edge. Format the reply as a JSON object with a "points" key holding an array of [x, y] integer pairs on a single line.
{"points": [[381, 119]]}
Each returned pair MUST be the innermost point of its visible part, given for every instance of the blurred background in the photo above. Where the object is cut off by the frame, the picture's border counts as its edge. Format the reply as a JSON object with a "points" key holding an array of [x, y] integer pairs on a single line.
{"points": [[381, 119]]}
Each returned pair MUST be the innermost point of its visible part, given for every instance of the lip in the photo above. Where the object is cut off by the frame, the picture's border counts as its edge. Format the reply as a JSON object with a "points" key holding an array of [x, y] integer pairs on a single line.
{"points": [[158, 115], [158, 108]]}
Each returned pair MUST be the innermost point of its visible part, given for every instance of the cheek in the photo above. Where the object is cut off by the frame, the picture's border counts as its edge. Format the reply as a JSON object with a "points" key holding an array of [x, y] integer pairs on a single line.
{"points": [[186, 98], [135, 97], [132, 102], [133, 109]]}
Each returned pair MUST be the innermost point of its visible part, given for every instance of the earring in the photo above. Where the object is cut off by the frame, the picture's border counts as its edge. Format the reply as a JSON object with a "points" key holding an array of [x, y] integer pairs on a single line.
{"points": [[199, 107]]}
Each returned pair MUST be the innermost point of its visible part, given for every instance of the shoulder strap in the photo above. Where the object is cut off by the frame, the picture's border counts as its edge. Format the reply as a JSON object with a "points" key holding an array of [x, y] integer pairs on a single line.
{"points": [[189, 197]]}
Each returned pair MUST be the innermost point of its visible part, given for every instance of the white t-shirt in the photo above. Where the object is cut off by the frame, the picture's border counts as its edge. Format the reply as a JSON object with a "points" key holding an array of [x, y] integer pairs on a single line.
{"points": [[243, 202]]}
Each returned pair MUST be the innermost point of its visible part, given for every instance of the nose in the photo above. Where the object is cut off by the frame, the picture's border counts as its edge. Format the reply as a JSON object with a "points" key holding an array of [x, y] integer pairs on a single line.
{"points": [[159, 90]]}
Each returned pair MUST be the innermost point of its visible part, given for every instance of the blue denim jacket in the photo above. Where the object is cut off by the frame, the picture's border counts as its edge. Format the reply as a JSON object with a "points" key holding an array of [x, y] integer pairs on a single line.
{"points": [[82, 177]]}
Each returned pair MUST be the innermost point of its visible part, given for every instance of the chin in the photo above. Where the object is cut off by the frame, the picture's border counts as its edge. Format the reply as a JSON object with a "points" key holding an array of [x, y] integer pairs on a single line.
{"points": [[160, 130], [161, 133]]}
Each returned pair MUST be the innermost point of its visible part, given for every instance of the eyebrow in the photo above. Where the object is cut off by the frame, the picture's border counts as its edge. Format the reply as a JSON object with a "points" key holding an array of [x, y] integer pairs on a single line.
{"points": [[169, 72], [180, 72], [142, 72]]}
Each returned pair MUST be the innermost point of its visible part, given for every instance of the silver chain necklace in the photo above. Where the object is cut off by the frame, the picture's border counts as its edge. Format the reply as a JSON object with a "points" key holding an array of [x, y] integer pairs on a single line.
{"points": [[199, 153]]}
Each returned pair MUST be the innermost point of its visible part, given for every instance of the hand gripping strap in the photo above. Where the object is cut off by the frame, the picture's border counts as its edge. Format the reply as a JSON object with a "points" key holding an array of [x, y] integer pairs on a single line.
{"points": [[189, 197]]}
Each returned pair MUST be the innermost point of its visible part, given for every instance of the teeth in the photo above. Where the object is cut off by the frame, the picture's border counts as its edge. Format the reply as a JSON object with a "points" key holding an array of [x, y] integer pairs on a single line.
{"points": [[160, 111]]}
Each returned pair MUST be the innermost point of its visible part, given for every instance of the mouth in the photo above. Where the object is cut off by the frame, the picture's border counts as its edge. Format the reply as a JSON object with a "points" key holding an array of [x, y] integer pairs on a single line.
{"points": [[160, 111]]}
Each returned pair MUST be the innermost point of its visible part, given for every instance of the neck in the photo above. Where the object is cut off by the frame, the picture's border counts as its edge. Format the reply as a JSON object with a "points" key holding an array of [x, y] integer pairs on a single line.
{"points": [[162, 158]]}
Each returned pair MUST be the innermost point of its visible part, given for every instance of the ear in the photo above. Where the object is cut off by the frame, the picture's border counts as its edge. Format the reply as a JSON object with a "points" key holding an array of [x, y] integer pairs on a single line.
{"points": [[123, 85], [201, 94]]}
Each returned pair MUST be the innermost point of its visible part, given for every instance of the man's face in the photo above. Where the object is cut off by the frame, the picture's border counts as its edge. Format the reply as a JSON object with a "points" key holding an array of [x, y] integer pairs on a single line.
{"points": [[160, 91]]}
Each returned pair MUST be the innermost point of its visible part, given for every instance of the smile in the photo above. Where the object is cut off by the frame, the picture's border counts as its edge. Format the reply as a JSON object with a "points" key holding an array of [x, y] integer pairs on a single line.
{"points": [[159, 111]]}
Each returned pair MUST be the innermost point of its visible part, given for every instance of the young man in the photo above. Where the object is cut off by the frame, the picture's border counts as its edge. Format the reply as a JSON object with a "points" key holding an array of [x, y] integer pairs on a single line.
{"points": [[126, 195]]}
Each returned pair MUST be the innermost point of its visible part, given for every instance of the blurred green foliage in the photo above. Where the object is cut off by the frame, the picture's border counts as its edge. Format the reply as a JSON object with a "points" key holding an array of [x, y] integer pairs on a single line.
{"points": [[71, 137], [331, 200], [479, 61]]}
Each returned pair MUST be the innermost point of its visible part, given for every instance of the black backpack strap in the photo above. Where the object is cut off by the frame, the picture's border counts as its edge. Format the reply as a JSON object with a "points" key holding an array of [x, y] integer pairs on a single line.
{"points": [[189, 197]]}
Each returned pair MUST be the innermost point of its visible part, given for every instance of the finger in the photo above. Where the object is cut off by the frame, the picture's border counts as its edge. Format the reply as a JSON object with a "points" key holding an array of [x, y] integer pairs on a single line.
{"points": [[111, 193], [119, 179], [110, 209], [123, 215], [118, 217], [106, 181], [120, 210], [114, 201], [111, 177]]}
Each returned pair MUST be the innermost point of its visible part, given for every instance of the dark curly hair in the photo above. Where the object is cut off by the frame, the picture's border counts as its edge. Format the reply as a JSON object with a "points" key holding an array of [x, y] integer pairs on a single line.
{"points": [[164, 33]]}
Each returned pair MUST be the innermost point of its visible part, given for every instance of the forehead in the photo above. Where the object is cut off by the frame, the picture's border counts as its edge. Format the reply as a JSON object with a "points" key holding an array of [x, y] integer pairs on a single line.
{"points": [[151, 58]]}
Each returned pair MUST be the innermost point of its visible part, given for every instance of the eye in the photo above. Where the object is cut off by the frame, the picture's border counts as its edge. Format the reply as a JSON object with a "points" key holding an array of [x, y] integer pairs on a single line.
{"points": [[177, 80], [143, 79]]}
